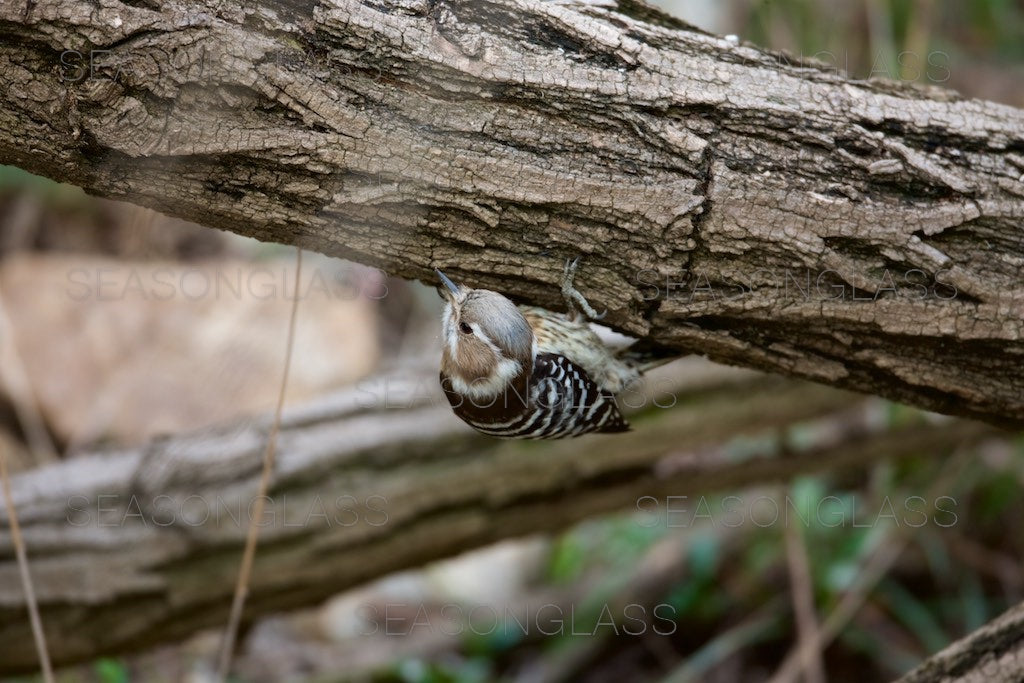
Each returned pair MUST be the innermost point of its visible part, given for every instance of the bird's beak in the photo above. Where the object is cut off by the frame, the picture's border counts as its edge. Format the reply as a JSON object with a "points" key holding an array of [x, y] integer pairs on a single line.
{"points": [[451, 290]]}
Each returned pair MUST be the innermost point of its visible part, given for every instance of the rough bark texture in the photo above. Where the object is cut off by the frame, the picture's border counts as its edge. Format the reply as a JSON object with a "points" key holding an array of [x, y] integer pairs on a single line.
{"points": [[130, 549], [730, 202], [992, 654]]}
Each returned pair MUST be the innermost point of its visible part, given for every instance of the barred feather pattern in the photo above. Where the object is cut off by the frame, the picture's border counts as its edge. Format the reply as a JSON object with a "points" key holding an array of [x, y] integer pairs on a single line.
{"points": [[577, 341], [558, 399]]}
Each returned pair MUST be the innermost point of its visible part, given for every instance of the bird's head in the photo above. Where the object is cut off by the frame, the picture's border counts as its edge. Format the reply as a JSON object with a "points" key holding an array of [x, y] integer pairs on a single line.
{"points": [[487, 341]]}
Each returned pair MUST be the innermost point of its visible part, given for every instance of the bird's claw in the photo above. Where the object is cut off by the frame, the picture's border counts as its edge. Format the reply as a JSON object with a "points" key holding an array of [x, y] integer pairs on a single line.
{"points": [[572, 296]]}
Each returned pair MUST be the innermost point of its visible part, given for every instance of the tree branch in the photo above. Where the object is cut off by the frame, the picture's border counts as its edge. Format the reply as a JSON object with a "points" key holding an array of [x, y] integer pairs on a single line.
{"points": [[992, 653], [375, 479], [764, 211]]}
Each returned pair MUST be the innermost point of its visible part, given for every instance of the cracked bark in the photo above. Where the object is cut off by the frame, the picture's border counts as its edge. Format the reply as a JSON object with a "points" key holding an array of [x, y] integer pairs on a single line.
{"points": [[134, 548], [730, 202]]}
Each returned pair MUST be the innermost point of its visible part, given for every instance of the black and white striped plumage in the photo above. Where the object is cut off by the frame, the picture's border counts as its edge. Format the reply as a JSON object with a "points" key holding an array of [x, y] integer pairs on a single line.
{"points": [[559, 399], [527, 373]]}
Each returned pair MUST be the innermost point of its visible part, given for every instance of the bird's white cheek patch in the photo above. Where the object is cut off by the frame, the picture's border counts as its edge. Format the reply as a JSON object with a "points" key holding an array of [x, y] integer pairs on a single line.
{"points": [[491, 386], [451, 337]]}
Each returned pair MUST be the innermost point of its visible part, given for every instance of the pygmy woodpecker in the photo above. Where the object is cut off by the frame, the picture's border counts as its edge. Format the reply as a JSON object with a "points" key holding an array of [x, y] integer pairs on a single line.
{"points": [[528, 373]]}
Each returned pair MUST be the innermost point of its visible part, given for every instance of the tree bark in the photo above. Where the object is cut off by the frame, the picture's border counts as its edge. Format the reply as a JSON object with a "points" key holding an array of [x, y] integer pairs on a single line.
{"points": [[135, 548], [762, 210], [992, 654]]}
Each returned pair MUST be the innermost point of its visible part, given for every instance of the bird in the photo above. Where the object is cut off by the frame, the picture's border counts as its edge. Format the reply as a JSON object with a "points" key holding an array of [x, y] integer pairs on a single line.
{"points": [[523, 372]]}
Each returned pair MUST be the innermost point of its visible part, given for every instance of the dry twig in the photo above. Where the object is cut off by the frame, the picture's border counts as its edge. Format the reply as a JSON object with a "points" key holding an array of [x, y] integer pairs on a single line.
{"points": [[249, 554], [802, 592]]}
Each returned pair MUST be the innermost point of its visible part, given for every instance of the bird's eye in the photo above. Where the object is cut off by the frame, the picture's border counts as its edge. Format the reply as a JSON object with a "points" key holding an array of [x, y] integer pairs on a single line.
{"points": [[465, 329]]}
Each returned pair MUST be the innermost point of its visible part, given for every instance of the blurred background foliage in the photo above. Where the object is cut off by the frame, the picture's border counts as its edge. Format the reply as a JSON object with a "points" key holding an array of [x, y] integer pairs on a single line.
{"points": [[975, 47], [724, 589]]}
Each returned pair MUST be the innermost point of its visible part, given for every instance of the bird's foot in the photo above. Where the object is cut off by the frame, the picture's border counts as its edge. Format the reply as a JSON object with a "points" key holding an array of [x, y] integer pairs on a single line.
{"points": [[575, 301]]}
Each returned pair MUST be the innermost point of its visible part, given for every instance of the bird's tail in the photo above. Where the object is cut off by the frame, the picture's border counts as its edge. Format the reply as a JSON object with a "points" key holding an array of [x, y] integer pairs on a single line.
{"points": [[645, 356]]}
